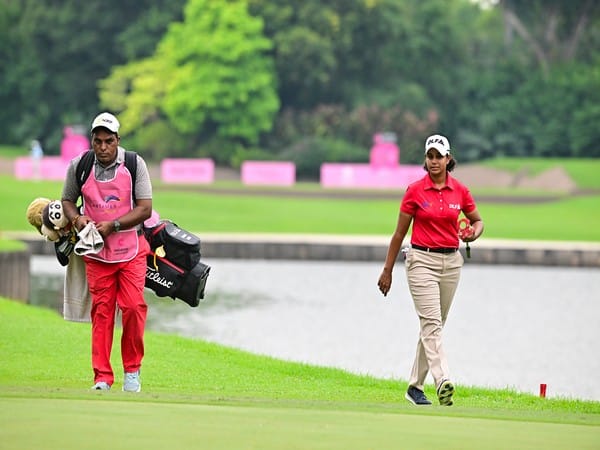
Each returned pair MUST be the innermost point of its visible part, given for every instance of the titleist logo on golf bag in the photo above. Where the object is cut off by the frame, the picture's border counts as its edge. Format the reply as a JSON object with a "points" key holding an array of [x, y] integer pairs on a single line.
{"points": [[173, 267], [155, 277], [162, 276]]}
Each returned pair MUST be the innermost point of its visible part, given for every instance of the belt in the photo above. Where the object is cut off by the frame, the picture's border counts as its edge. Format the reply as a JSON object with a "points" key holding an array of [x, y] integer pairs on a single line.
{"points": [[435, 250]]}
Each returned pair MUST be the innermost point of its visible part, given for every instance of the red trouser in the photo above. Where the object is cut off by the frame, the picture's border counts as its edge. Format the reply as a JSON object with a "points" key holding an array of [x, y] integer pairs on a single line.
{"points": [[121, 284]]}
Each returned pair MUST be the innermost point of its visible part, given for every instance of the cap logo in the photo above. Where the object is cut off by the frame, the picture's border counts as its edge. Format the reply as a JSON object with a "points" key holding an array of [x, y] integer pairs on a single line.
{"points": [[106, 120], [435, 141]]}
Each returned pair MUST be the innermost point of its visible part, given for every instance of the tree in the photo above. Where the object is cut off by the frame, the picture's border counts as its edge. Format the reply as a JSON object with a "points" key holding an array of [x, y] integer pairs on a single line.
{"points": [[56, 51], [410, 55], [552, 30], [489, 78], [21, 73], [210, 77], [326, 51], [538, 97]]}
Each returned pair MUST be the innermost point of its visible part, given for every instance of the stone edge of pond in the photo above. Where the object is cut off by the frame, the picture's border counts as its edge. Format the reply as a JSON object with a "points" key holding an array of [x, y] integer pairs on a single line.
{"points": [[368, 248]]}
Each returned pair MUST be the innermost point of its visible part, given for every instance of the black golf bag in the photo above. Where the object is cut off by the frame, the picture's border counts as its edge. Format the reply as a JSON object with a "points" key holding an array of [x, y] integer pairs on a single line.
{"points": [[173, 268]]}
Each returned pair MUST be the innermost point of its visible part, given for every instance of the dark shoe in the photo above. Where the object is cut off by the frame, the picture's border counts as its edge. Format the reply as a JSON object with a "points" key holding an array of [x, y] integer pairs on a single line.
{"points": [[416, 396], [445, 392]]}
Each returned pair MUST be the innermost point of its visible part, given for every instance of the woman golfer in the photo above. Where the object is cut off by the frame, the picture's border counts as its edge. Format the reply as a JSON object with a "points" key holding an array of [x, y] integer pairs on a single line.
{"points": [[433, 263]]}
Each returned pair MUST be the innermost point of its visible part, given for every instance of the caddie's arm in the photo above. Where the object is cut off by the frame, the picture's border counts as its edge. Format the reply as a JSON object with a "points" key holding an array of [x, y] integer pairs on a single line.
{"points": [[76, 220]]}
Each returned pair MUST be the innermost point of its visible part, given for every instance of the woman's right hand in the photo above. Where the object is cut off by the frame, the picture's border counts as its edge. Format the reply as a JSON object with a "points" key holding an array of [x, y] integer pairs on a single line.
{"points": [[385, 281]]}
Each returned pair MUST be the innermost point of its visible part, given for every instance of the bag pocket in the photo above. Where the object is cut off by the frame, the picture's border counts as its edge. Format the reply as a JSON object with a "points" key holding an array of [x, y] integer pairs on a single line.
{"points": [[181, 247], [162, 276], [192, 287]]}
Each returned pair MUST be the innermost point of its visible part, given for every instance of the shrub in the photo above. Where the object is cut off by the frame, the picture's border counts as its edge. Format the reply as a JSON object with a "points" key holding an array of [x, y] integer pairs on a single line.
{"points": [[309, 153]]}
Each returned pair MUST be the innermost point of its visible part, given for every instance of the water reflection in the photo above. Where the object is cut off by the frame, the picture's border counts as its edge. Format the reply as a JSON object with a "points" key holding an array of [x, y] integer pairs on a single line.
{"points": [[509, 326]]}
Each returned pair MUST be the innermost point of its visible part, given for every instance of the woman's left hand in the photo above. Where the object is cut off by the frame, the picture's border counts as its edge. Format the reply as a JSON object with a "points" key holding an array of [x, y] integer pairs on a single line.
{"points": [[467, 234], [465, 230]]}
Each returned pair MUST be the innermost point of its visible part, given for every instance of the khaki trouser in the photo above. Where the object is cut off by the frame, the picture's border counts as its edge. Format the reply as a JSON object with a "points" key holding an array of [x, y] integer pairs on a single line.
{"points": [[432, 280]]}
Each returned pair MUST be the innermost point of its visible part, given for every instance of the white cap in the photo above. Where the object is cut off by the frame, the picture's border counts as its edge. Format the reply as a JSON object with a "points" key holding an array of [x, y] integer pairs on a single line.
{"points": [[439, 142], [106, 120]]}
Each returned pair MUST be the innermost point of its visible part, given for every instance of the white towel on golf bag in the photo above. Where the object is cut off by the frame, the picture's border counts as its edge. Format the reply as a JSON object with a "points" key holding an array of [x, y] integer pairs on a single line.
{"points": [[90, 240]]}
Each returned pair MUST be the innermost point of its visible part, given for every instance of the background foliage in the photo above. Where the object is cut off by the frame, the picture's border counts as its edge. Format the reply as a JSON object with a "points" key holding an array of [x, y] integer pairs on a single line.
{"points": [[279, 79]]}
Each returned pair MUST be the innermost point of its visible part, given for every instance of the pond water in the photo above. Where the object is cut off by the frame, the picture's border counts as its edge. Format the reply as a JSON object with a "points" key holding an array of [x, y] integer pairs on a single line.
{"points": [[510, 326]]}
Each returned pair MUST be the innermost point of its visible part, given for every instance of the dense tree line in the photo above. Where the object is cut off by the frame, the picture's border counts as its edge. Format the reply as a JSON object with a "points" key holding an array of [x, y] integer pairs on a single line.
{"points": [[307, 81], [53, 53]]}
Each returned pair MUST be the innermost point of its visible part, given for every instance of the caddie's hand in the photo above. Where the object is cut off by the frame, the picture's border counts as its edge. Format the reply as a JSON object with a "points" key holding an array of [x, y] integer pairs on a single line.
{"points": [[385, 281], [79, 222], [105, 228]]}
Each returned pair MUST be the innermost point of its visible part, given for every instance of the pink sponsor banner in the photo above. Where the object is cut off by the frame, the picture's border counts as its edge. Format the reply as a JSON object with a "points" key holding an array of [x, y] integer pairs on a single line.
{"points": [[72, 144], [187, 170], [385, 154], [274, 173], [46, 168], [349, 175]]}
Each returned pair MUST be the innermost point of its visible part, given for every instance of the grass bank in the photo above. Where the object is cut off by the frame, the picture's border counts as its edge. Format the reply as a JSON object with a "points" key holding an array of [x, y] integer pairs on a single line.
{"points": [[202, 212], [198, 394]]}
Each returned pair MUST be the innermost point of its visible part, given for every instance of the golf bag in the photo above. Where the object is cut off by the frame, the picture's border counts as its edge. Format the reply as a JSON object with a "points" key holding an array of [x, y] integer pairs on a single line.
{"points": [[173, 267]]}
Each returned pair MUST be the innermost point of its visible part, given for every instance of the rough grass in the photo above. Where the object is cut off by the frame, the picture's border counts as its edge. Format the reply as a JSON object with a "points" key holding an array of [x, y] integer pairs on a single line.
{"points": [[197, 394]]}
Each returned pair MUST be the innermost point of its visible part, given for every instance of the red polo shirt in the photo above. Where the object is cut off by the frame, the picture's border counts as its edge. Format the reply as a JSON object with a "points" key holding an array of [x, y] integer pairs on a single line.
{"points": [[435, 211]]}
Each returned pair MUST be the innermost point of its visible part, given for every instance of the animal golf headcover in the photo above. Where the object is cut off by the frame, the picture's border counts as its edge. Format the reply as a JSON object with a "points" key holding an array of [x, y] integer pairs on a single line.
{"points": [[48, 217], [54, 221], [35, 212]]}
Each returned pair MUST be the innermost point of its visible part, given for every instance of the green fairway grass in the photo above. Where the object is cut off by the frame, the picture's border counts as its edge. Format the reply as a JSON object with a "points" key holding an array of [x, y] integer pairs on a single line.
{"points": [[202, 395], [13, 151], [567, 218], [104, 423]]}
